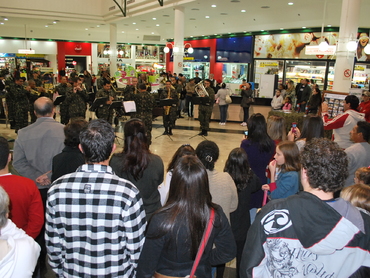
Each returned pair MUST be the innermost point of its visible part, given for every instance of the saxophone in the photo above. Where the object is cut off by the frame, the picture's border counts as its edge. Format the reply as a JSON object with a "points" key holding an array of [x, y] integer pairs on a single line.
{"points": [[167, 108]]}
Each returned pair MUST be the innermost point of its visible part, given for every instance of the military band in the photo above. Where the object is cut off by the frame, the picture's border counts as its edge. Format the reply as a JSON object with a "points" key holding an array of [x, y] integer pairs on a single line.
{"points": [[205, 108], [104, 112], [169, 112]]}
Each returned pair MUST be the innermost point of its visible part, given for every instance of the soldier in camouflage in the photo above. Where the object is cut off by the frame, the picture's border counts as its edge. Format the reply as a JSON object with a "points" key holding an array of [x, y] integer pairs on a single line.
{"points": [[36, 78], [205, 108], [61, 90], [103, 78], [9, 97], [169, 112], [104, 112], [76, 99], [131, 90], [144, 109], [20, 104]]}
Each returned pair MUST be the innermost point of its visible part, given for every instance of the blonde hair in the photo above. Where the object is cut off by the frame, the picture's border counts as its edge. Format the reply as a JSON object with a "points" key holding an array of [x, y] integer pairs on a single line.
{"points": [[276, 128], [363, 175], [358, 195]]}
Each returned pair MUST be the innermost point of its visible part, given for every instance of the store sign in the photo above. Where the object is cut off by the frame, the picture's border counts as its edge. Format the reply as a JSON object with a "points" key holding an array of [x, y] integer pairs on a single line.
{"points": [[268, 64], [188, 58], [315, 50], [7, 55], [26, 51], [360, 68]]}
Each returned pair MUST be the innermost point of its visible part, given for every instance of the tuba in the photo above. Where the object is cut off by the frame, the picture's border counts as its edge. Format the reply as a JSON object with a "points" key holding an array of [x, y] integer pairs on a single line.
{"points": [[200, 89]]}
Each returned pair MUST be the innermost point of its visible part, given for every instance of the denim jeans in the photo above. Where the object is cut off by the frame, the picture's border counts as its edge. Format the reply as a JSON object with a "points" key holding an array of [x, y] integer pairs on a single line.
{"points": [[223, 113]]}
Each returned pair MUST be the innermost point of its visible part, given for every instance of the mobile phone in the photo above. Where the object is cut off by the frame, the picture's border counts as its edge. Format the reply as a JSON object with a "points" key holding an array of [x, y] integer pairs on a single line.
{"points": [[246, 133], [294, 125]]}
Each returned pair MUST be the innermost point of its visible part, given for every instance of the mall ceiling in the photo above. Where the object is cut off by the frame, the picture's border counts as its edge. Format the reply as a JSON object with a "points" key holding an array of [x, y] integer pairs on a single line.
{"points": [[148, 22]]}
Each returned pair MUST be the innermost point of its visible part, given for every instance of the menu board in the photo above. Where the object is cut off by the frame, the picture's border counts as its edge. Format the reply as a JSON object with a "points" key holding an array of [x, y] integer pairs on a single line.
{"points": [[335, 102]]}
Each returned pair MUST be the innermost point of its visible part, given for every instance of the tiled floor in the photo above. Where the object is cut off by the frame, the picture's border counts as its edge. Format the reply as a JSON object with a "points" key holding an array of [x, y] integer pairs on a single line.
{"points": [[227, 137]]}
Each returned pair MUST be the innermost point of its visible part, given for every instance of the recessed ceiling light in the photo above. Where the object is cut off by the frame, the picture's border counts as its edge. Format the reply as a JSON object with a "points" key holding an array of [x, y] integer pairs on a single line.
{"points": [[191, 36], [202, 35], [243, 11], [303, 27], [281, 28], [157, 25], [123, 32], [152, 33], [207, 16], [215, 34], [229, 33], [154, 18], [328, 25], [133, 22], [98, 26], [262, 30], [46, 25], [54, 22], [137, 29], [86, 29], [2, 23], [213, 6], [290, 3], [5, 18]]}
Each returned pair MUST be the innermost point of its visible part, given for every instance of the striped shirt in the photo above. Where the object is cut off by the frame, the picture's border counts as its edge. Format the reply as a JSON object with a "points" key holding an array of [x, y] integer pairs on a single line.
{"points": [[95, 224]]}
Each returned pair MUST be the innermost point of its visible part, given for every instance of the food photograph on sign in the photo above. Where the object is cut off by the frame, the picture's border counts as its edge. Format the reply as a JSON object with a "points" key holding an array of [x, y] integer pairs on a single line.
{"points": [[335, 103], [290, 45]]}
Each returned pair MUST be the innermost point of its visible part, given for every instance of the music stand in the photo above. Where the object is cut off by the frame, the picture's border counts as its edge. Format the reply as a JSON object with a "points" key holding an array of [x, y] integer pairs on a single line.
{"points": [[167, 102], [98, 102], [116, 105], [59, 100], [198, 135], [200, 100]]}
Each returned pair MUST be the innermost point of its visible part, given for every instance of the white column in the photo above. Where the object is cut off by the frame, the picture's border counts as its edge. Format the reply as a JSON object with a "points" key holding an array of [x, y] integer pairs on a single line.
{"points": [[133, 56], [179, 40], [113, 49], [343, 70]]}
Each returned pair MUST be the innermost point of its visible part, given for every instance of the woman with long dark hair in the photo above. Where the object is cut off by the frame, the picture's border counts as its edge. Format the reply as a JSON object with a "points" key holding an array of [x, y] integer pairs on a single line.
{"points": [[246, 181], [137, 164], [175, 231], [261, 148]]}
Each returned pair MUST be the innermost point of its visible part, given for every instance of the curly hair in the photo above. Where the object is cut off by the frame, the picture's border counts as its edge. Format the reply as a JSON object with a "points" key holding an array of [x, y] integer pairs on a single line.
{"points": [[358, 195], [326, 164], [208, 152]]}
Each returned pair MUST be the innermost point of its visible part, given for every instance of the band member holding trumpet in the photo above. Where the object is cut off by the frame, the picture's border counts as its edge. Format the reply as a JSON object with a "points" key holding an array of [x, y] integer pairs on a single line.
{"points": [[104, 112], [61, 90], [169, 112], [20, 95], [206, 107], [76, 99], [35, 93]]}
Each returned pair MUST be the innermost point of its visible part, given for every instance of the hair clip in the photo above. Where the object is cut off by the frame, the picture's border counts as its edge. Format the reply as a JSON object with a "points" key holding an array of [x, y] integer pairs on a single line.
{"points": [[209, 158], [184, 145]]}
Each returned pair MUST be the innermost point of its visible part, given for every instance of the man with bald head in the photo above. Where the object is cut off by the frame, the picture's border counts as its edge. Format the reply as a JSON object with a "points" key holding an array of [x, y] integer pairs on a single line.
{"points": [[34, 149]]}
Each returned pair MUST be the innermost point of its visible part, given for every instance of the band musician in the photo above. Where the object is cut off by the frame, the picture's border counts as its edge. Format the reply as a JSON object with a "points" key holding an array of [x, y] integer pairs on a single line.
{"points": [[169, 112], [103, 112]]}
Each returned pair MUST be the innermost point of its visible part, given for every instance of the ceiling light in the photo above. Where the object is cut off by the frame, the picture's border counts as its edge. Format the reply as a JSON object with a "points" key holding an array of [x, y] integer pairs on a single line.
{"points": [[2, 23], [243, 11], [323, 46], [303, 27], [215, 34], [166, 49], [86, 29], [191, 36], [46, 26], [290, 3], [213, 6], [367, 49], [137, 29], [207, 16], [328, 25], [229, 33], [262, 30], [190, 50], [123, 32], [154, 18], [157, 25], [281, 28], [352, 45], [5, 18], [133, 22], [98, 26], [152, 33], [54, 22]]}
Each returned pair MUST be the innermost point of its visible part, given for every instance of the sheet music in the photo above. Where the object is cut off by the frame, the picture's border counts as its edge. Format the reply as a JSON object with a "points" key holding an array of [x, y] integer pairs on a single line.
{"points": [[129, 106]]}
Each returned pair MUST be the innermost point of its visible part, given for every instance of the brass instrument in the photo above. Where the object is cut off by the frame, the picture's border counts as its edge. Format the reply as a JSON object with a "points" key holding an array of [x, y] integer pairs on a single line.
{"points": [[200, 89], [35, 92], [167, 108]]}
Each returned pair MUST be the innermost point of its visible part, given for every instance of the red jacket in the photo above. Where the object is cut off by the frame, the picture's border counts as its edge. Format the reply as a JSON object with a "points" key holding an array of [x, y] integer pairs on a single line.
{"points": [[364, 107]]}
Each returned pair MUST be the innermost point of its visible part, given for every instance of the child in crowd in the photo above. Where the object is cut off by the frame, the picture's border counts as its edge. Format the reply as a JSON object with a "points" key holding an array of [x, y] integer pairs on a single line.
{"points": [[164, 188], [277, 100], [287, 104], [284, 171], [358, 195], [362, 175]]}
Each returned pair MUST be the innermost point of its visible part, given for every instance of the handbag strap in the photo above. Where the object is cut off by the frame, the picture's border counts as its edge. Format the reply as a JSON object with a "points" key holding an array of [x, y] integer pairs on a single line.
{"points": [[203, 243]]}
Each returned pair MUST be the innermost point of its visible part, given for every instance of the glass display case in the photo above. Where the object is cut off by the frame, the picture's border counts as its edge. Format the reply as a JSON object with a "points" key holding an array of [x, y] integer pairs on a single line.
{"points": [[312, 70], [190, 68], [361, 76]]}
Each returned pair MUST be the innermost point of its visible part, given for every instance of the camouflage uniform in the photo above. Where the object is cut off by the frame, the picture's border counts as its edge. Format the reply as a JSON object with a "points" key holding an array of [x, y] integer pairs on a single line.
{"points": [[129, 94], [104, 112], [144, 111], [62, 90], [100, 82], [76, 102], [205, 110], [20, 106], [9, 97], [170, 119], [32, 98]]}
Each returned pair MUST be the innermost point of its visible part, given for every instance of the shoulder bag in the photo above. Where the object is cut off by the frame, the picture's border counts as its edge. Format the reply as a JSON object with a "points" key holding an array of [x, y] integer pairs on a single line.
{"points": [[228, 99], [202, 246]]}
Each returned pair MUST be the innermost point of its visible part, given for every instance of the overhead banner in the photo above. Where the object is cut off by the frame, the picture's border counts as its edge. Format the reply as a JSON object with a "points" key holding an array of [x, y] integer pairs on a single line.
{"points": [[291, 45]]}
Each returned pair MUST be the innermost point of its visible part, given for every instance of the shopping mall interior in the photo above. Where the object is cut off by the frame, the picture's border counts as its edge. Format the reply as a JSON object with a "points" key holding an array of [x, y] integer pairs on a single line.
{"points": [[233, 39]]}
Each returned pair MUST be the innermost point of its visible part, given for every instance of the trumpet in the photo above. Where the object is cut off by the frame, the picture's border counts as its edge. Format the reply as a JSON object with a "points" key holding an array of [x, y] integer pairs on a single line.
{"points": [[35, 92], [200, 89]]}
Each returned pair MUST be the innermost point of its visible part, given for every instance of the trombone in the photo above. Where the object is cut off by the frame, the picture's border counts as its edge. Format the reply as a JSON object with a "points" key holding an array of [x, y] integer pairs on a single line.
{"points": [[200, 89]]}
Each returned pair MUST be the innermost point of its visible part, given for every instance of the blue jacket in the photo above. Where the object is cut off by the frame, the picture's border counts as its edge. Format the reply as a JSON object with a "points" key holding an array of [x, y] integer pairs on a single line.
{"points": [[286, 185]]}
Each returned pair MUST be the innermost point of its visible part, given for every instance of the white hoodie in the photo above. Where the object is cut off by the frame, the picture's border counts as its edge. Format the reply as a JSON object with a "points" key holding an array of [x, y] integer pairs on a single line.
{"points": [[21, 259]]}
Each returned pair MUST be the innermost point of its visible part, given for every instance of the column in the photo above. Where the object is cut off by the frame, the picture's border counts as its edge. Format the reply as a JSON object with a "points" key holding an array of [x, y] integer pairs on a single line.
{"points": [[179, 40], [343, 70], [113, 49]]}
